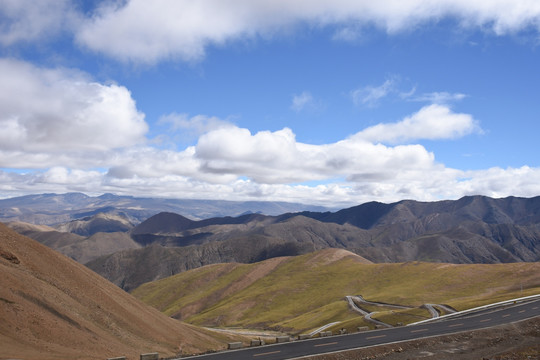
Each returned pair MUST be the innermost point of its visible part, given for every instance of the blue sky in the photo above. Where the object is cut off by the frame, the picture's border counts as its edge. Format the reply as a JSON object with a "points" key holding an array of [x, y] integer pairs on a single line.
{"points": [[333, 103]]}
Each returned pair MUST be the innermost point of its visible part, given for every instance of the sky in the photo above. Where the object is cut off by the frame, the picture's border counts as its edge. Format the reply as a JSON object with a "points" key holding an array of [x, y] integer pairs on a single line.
{"points": [[330, 103]]}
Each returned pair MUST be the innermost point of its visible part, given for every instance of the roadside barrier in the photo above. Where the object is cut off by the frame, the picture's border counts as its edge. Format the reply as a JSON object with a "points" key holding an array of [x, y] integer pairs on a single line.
{"points": [[282, 339], [150, 356], [489, 306]]}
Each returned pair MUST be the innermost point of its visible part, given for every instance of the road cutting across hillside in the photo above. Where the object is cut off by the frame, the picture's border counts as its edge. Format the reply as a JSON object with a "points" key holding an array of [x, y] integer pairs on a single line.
{"points": [[471, 321], [353, 302]]}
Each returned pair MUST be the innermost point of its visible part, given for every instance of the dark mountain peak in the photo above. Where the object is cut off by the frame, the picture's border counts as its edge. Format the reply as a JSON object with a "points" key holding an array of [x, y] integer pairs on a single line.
{"points": [[164, 222], [229, 220], [363, 216]]}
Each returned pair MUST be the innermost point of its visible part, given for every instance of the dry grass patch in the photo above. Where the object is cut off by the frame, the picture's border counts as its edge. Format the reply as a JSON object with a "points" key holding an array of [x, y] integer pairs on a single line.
{"points": [[305, 292]]}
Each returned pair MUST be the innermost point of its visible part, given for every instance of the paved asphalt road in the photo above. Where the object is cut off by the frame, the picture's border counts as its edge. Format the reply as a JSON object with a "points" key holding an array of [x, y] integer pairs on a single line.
{"points": [[474, 321]]}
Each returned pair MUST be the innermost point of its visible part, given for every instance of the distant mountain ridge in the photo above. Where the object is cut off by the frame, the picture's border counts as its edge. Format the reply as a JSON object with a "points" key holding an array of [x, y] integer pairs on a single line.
{"points": [[51, 209], [474, 229]]}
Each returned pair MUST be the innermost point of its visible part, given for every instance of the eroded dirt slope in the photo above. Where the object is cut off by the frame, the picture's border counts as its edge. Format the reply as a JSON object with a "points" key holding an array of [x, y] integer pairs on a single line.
{"points": [[54, 308]]}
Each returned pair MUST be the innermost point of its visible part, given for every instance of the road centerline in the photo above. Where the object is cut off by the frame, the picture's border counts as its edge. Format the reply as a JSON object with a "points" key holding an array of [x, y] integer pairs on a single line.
{"points": [[267, 353], [454, 325], [326, 344], [419, 330], [484, 320], [375, 337]]}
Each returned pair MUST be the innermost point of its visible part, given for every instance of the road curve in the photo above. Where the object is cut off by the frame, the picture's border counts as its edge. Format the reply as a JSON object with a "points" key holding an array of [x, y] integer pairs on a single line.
{"points": [[297, 349], [434, 313]]}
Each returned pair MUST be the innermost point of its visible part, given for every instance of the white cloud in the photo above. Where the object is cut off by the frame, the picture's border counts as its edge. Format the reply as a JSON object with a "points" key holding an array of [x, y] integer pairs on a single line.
{"points": [[371, 95], [348, 34], [183, 129], [29, 20], [53, 114], [438, 183], [439, 97], [199, 124], [431, 122], [276, 157], [299, 102], [150, 31]]}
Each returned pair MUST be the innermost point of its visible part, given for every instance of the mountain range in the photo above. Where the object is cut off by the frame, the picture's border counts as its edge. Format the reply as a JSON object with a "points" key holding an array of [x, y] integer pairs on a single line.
{"points": [[473, 229]]}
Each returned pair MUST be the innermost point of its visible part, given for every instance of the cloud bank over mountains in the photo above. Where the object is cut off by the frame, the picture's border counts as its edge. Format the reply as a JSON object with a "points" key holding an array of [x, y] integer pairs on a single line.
{"points": [[91, 137], [62, 130]]}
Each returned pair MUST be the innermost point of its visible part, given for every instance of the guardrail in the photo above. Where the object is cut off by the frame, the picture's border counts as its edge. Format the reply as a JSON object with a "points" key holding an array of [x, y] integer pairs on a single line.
{"points": [[484, 307]]}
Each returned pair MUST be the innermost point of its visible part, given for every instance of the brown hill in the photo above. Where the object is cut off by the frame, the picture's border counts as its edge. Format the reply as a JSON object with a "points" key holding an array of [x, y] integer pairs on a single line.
{"points": [[131, 268], [79, 248], [100, 222], [54, 308]]}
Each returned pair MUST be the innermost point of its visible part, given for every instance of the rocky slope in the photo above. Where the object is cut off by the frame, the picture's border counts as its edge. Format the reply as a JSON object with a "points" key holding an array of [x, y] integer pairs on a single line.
{"points": [[79, 248]]}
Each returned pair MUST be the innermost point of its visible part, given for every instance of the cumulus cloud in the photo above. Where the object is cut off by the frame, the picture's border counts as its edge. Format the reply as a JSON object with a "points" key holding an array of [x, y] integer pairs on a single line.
{"points": [[431, 122], [276, 157], [46, 112], [183, 29]]}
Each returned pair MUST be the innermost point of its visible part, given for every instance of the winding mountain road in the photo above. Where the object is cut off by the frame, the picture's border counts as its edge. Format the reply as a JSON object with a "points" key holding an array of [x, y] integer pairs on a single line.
{"points": [[434, 313], [297, 349]]}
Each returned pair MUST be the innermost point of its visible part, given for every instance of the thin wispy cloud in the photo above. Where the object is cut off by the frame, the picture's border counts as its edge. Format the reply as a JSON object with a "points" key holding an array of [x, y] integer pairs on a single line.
{"points": [[301, 101], [438, 97], [372, 95]]}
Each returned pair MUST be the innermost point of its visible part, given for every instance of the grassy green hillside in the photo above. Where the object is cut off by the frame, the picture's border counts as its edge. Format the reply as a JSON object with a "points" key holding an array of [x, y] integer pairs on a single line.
{"points": [[301, 293]]}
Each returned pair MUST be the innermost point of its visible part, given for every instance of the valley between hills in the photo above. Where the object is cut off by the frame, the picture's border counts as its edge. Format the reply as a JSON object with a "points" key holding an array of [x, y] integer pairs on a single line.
{"points": [[250, 273]]}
